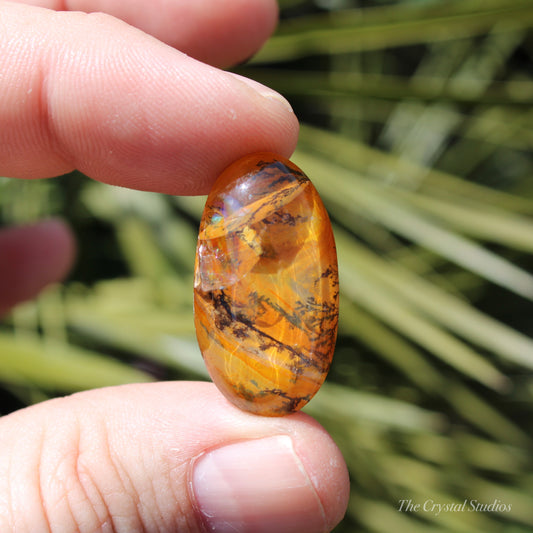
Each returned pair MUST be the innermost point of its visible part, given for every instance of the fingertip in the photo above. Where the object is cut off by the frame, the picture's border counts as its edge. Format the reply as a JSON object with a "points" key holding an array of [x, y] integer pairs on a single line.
{"points": [[219, 33], [287, 483], [326, 468], [32, 257], [61, 240]]}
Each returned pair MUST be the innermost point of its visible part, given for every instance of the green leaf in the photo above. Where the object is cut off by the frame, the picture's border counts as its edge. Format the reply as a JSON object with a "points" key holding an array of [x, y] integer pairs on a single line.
{"points": [[357, 30], [56, 366], [353, 192]]}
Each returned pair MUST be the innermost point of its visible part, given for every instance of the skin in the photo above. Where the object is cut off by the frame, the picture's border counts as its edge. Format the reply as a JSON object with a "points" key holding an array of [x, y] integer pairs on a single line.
{"points": [[94, 93]]}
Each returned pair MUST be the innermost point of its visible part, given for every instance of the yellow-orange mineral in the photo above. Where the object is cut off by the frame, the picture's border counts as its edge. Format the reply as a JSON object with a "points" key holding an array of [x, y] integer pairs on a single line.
{"points": [[266, 286]]}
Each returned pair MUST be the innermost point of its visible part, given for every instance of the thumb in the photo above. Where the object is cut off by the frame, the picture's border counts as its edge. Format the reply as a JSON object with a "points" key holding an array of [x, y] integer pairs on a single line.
{"points": [[166, 457]]}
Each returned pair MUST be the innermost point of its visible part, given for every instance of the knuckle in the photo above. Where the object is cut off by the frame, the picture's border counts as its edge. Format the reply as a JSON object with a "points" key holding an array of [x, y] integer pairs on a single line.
{"points": [[69, 488], [73, 474]]}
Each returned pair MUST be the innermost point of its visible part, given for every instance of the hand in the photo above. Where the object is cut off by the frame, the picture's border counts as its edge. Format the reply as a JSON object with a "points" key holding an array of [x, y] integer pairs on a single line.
{"points": [[92, 93]]}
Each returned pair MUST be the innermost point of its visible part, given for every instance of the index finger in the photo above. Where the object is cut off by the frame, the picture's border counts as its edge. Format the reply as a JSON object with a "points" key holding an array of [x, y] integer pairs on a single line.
{"points": [[215, 32], [88, 92]]}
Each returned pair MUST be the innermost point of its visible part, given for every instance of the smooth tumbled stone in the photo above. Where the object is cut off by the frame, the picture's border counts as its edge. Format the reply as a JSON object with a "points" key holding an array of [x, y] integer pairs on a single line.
{"points": [[266, 289]]}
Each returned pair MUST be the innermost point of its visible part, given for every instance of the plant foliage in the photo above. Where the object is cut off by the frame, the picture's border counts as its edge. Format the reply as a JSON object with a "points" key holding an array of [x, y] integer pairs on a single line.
{"points": [[417, 130]]}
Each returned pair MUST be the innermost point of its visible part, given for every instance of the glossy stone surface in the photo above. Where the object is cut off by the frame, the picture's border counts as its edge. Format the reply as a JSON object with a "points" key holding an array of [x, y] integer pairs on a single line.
{"points": [[266, 286]]}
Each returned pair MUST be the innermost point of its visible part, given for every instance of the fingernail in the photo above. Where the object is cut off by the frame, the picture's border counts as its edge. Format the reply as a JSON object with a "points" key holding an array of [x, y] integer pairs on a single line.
{"points": [[265, 91], [256, 486]]}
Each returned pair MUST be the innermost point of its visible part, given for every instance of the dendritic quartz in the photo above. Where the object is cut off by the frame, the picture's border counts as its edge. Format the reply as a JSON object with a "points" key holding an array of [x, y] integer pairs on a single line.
{"points": [[266, 288]]}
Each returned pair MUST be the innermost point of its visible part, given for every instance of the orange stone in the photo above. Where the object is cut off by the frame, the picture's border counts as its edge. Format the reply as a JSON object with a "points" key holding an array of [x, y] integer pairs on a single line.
{"points": [[266, 289]]}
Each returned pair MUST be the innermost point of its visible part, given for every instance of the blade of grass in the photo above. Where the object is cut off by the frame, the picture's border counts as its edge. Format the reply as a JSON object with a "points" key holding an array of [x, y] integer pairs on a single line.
{"points": [[460, 447], [451, 312], [390, 346], [57, 366], [349, 190], [338, 84], [478, 412], [350, 31], [371, 295], [489, 224], [391, 168], [350, 405]]}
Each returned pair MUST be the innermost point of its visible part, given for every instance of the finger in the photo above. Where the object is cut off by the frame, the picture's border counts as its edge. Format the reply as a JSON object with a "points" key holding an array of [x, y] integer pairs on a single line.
{"points": [[218, 33], [92, 93], [166, 457], [32, 257]]}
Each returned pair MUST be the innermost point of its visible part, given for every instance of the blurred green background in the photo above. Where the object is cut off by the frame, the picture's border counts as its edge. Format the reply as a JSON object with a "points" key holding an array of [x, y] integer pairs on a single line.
{"points": [[417, 129]]}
